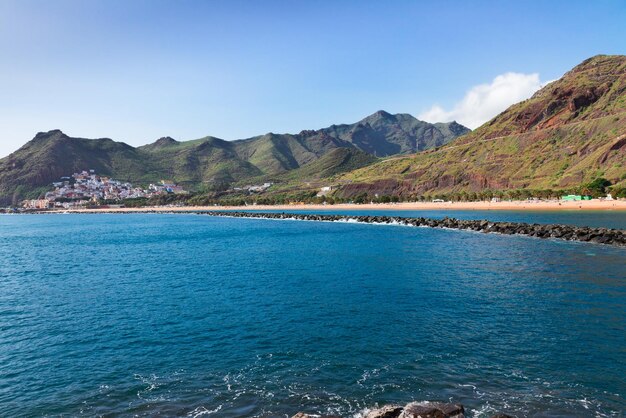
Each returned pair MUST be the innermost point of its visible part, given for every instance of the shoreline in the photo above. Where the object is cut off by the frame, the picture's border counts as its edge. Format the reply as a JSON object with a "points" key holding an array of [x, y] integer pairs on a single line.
{"points": [[584, 205]]}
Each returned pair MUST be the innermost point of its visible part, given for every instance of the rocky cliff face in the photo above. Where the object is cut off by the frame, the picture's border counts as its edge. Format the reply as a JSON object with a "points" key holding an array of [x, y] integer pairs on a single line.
{"points": [[595, 88]]}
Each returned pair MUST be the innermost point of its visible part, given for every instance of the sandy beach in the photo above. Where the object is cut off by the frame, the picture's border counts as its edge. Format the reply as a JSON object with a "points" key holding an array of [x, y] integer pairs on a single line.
{"points": [[610, 205]]}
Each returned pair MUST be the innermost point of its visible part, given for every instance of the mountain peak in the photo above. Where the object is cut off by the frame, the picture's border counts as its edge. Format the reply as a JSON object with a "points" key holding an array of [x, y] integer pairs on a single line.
{"points": [[380, 114], [51, 136], [51, 133], [599, 60], [165, 141], [455, 124]]}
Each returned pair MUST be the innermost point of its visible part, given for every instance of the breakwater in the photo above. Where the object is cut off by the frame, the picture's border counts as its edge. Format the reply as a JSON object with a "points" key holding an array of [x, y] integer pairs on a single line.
{"points": [[606, 236]]}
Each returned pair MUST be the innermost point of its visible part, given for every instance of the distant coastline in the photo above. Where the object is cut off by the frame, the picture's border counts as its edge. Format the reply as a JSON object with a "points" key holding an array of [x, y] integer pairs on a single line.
{"points": [[541, 205]]}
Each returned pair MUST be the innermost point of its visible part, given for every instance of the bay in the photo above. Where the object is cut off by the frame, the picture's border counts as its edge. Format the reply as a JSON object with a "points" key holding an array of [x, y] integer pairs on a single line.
{"points": [[200, 316]]}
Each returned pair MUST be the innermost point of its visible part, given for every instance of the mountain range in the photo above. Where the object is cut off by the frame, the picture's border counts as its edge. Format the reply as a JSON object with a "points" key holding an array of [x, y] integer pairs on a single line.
{"points": [[570, 132], [213, 163]]}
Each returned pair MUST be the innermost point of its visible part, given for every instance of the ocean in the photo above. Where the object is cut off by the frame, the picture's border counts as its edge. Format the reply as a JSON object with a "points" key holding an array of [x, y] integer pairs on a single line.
{"points": [[190, 315]]}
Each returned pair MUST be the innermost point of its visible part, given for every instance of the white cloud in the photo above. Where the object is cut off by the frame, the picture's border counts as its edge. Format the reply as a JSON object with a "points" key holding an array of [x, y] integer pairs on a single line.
{"points": [[484, 101]]}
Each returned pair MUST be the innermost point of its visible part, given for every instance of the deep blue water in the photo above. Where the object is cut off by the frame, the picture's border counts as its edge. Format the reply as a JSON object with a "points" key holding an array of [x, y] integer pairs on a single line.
{"points": [[186, 314]]}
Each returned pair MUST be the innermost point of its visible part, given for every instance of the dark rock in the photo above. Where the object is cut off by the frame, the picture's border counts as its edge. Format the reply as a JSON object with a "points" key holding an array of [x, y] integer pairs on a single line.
{"points": [[451, 409], [387, 411], [432, 410]]}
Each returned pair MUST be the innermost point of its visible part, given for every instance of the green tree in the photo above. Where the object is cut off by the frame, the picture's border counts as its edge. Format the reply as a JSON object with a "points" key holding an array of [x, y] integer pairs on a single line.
{"points": [[597, 187]]}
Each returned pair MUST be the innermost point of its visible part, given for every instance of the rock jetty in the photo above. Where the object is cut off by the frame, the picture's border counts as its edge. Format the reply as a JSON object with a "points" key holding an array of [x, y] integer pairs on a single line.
{"points": [[606, 236], [425, 409]]}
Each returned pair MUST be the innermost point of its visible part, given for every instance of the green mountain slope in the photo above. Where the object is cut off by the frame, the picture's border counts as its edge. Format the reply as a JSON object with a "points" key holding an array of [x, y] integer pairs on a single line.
{"points": [[213, 163], [200, 161], [334, 162], [53, 154], [569, 133]]}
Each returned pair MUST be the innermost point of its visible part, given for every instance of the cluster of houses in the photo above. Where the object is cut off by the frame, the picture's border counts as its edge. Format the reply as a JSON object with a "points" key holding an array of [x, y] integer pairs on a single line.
{"points": [[87, 187], [326, 190], [254, 189]]}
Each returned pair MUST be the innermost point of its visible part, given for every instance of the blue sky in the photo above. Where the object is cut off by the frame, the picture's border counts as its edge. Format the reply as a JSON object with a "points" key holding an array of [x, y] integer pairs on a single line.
{"points": [[138, 70]]}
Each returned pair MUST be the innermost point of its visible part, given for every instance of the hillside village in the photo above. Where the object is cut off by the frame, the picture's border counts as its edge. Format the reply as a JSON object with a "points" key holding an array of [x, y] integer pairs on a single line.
{"points": [[87, 187]]}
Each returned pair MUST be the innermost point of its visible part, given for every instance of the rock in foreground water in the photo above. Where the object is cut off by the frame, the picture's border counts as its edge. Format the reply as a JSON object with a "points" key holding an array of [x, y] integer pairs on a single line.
{"points": [[425, 409]]}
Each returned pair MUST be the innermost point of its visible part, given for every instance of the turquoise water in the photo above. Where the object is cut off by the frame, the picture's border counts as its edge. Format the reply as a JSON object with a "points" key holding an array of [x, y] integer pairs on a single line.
{"points": [[139, 315]]}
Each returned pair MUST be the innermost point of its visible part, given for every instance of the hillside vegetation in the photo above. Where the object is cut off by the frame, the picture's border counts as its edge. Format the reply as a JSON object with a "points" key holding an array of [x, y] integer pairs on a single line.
{"points": [[569, 133], [209, 164]]}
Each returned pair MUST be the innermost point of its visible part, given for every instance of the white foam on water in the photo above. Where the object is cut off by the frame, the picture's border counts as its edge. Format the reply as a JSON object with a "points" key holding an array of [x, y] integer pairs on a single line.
{"points": [[202, 411], [484, 411]]}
